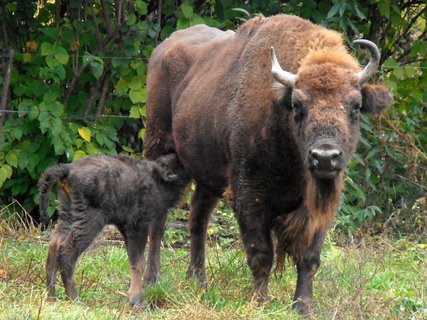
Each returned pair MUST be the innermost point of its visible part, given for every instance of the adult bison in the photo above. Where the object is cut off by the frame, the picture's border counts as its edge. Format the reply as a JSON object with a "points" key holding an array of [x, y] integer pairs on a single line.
{"points": [[278, 141]]}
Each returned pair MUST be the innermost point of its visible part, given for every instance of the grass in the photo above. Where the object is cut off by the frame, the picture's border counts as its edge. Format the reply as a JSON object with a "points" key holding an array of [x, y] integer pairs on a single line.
{"points": [[376, 279]]}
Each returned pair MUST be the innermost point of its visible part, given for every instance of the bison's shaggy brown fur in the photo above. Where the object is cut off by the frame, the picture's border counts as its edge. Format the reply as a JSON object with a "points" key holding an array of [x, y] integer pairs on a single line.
{"points": [[100, 190], [274, 142]]}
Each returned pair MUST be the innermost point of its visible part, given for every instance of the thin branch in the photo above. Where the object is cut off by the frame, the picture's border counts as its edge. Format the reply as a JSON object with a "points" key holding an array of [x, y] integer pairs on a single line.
{"points": [[102, 98], [159, 20], [106, 16], [95, 24], [6, 85], [95, 91], [73, 83], [3, 25], [404, 137], [119, 5]]}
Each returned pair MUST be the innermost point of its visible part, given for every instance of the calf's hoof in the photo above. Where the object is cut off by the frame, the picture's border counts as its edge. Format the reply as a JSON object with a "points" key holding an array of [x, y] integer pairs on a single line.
{"points": [[150, 279], [135, 300]]}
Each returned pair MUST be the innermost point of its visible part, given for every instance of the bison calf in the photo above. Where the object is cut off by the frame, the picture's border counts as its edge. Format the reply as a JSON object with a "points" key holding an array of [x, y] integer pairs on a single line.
{"points": [[100, 190]]}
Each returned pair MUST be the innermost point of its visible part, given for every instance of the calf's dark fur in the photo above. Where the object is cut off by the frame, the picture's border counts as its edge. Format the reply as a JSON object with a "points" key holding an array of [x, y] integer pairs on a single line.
{"points": [[100, 190]]}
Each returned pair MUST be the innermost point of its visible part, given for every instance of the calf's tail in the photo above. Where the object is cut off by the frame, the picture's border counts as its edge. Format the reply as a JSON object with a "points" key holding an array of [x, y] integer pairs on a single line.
{"points": [[45, 184]]}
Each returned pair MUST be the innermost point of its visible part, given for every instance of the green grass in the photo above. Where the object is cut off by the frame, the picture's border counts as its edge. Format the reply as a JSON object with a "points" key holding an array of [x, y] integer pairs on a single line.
{"points": [[373, 280]]}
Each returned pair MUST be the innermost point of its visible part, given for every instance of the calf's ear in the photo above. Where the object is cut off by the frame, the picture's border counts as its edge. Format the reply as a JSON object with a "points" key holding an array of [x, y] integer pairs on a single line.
{"points": [[375, 98], [165, 175]]}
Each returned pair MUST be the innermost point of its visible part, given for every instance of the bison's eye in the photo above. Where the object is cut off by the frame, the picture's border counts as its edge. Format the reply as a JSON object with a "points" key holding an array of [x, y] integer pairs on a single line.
{"points": [[298, 109], [355, 110], [297, 105]]}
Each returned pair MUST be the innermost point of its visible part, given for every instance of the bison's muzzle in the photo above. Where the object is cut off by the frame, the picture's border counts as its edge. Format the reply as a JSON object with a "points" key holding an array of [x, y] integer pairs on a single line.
{"points": [[325, 160]]}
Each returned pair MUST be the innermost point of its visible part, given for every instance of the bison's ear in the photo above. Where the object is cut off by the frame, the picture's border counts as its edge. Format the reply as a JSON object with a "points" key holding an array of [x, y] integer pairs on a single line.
{"points": [[375, 98]]}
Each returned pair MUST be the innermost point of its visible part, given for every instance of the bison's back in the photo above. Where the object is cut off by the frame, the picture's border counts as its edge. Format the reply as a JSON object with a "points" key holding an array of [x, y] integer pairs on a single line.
{"points": [[169, 66]]}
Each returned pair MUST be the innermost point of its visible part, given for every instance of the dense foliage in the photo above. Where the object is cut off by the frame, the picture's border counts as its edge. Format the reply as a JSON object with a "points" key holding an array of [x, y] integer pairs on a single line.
{"points": [[77, 87]]}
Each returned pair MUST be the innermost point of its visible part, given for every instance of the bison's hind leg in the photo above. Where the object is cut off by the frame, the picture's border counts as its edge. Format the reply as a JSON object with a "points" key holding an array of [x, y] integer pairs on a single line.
{"points": [[82, 234]]}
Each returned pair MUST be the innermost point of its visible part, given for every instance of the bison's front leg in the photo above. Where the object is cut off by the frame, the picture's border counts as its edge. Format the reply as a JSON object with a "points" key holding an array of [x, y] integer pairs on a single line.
{"points": [[202, 205], [256, 236], [307, 267]]}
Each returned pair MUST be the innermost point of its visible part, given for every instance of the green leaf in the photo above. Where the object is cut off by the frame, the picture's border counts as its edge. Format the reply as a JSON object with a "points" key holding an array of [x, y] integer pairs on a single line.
{"points": [[44, 121], [79, 154], [91, 148], [182, 23], [58, 145], [137, 96], [12, 159], [196, 19], [333, 11], [57, 109], [16, 133], [136, 83], [51, 32], [38, 88], [56, 126], [131, 20], [384, 8], [97, 68], [61, 55], [244, 11], [187, 10], [121, 87], [50, 96], [166, 31], [46, 49], [134, 112], [141, 7], [359, 13], [127, 149]]}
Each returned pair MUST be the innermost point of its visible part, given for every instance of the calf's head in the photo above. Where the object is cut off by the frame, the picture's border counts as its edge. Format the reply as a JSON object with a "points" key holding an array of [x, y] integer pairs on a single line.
{"points": [[327, 96]]}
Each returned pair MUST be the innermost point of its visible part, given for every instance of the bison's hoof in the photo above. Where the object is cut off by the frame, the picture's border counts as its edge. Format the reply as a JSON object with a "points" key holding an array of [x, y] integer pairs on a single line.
{"points": [[303, 308], [199, 275]]}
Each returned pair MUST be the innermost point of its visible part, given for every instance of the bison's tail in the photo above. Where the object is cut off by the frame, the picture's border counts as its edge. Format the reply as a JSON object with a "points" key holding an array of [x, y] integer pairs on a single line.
{"points": [[45, 184]]}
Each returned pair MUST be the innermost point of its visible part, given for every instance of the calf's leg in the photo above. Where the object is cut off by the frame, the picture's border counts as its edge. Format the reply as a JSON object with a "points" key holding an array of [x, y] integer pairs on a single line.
{"points": [[136, 240], [202, 205], [82, 234], [61, 231], [156, 231], [59, 235], [306, 268]]}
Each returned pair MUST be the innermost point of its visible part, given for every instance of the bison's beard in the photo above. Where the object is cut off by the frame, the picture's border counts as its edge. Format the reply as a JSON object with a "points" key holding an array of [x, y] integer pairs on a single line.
{"points": [[295, 231]]}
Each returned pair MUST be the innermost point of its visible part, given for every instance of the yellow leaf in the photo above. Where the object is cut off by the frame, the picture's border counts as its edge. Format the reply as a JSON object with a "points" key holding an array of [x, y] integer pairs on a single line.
{"points": [[85, 133], [27, 57]]}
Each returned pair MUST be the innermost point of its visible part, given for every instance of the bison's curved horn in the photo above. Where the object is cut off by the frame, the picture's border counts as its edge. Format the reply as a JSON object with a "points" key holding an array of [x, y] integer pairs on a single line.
{"points": [[374, 61], [284, 77]]}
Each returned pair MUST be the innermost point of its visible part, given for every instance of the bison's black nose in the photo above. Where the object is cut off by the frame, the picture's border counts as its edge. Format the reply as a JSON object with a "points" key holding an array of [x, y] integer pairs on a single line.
{"points": [[325, 160]]}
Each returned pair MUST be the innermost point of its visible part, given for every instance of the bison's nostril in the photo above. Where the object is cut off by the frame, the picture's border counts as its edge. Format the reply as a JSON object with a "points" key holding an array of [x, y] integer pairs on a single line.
{"points": [[324, 157]]}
